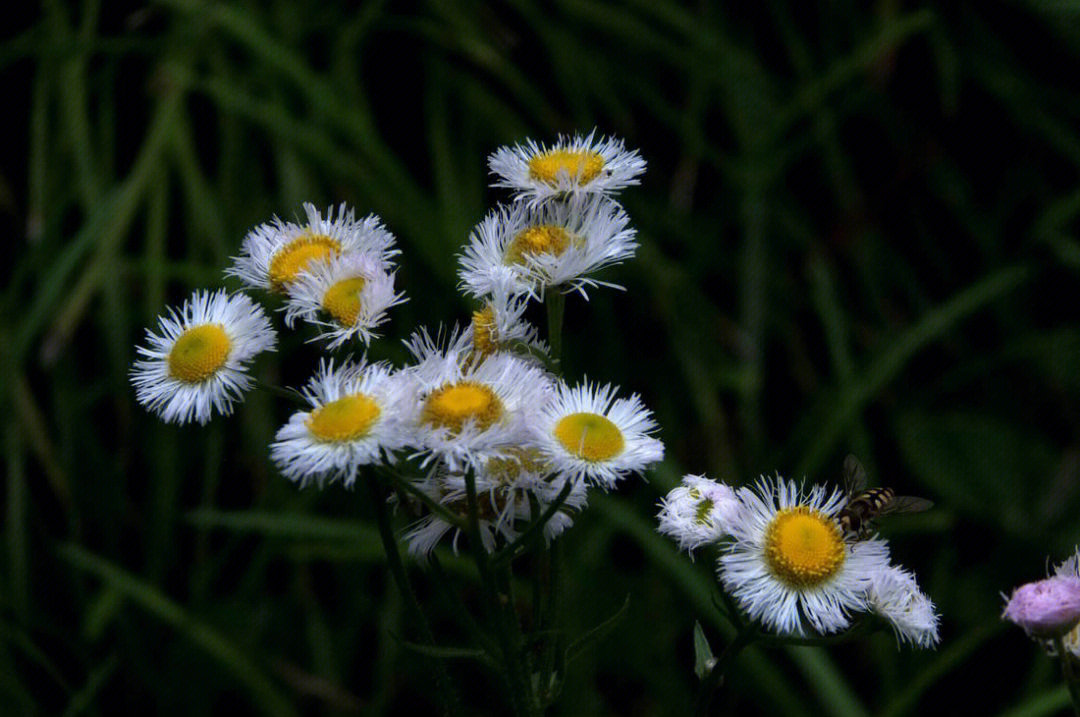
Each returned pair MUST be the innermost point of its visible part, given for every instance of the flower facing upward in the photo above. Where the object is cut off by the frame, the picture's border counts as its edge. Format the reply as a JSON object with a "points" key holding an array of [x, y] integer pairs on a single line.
{"points": [[789, 562], [588, 434], [198, 363], [557, 244], [573, 165], [1046, 608], [274, 255], [895, 595], [698, 512], [346, 296], [465, 411], [353, 422]]}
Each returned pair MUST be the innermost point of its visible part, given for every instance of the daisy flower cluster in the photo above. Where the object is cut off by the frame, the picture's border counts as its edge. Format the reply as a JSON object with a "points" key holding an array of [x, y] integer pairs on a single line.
{"points": [[788, 562], [480, 415]]}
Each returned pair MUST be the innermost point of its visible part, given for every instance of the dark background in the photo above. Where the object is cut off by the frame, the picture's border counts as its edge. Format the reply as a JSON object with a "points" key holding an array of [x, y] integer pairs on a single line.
{"points": [[858, 233]]}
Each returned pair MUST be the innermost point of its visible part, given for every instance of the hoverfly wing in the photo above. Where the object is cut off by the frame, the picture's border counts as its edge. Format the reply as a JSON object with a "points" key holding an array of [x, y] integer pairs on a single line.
{"points": [[854, 476], [907, 504]]}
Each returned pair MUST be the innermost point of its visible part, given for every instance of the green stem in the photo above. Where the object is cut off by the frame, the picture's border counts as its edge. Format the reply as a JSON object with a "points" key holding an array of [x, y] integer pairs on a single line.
{"points": [[1069, 673], [555, 302], [505, 619], [292, 395], [743, 638], [443, 686]]}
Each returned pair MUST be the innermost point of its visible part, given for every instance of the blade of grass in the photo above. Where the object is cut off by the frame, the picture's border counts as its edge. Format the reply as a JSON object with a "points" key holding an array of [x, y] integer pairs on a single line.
{"points": [[262, 690]]}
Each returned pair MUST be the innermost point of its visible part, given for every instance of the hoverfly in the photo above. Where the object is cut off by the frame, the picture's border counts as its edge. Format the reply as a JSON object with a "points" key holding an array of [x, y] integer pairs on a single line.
{"points": [[864, 504]]}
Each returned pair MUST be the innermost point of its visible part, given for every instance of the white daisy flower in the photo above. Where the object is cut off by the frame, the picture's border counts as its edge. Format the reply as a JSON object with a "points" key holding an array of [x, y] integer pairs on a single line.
{"points": [[465, 411], [573, 165], [588, 434], [557, 244], [894, 594], [504, 486], [698, 512], [353, 421], [353, 292], [198, 363], [273, 255], [500, 325], [789, 562]]}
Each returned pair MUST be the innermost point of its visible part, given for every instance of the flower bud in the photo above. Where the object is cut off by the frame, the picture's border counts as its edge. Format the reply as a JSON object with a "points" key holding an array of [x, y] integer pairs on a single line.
{"points": [[1047, 608]]}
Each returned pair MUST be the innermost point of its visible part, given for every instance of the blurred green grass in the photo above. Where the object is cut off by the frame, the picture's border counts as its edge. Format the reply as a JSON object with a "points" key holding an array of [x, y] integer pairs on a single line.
{"points": [[858, 234]]}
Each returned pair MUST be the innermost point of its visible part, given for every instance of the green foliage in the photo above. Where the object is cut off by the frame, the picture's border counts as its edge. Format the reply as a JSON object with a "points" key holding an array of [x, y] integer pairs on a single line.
{"points": [[858, 234]]}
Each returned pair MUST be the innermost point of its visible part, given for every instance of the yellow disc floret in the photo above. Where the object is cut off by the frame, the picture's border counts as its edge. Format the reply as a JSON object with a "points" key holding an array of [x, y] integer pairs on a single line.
{"points": [[589, 436], [507, 469], [294, 257], [345, 419], [804, 547], [342, 300], [453, 404], [540, 239], [582, 166], [198, 353], [485, 338]]}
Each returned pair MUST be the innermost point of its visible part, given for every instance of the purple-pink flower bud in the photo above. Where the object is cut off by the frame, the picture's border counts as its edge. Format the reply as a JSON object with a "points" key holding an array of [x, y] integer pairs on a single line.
{"points": [[1047, 608]]}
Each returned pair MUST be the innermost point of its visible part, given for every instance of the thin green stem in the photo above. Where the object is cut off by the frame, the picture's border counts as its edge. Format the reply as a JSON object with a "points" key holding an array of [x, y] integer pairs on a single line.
{"points": [[288, 393], [507, 630], [443, 686], [743, 638], [1069, 673]]}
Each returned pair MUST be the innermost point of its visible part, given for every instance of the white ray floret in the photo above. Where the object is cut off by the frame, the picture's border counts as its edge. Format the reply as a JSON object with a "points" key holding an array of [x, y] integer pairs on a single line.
{"points": [[503, 490], [346, 296], [697, 512], [354, 421], [575, 165], [500, 325], [557, 245], [465, 411], [789, 564], [587, 433], [894, 594], [275, 254], [197, 363]]}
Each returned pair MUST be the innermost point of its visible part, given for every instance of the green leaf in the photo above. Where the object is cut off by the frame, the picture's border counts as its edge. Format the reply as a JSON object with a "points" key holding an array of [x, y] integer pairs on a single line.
{"points": [[596, 634], [703, 654]]}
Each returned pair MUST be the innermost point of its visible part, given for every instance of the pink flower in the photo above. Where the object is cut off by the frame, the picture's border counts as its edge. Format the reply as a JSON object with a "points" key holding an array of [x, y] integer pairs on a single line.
{"points": [[1047, 608]]}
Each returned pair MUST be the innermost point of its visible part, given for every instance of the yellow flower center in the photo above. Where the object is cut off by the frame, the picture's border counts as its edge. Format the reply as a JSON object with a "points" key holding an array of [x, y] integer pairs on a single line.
{"points": [[581, 165], [506, 470], [541, 239], [701, 513], [342, 300], [294, 257], [453, 404], [804, 547], [484, 336], [198, 353], [345, 419], [589, 436]]}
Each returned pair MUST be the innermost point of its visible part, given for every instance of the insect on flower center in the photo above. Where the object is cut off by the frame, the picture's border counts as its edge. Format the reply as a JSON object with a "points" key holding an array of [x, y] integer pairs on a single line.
{"points": [[484, 337], [453, 404], [198, 353], [804, 547], [294, 257], [581, 165], [589, 436], [342, 300], [345, 419], [537, 240]]}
